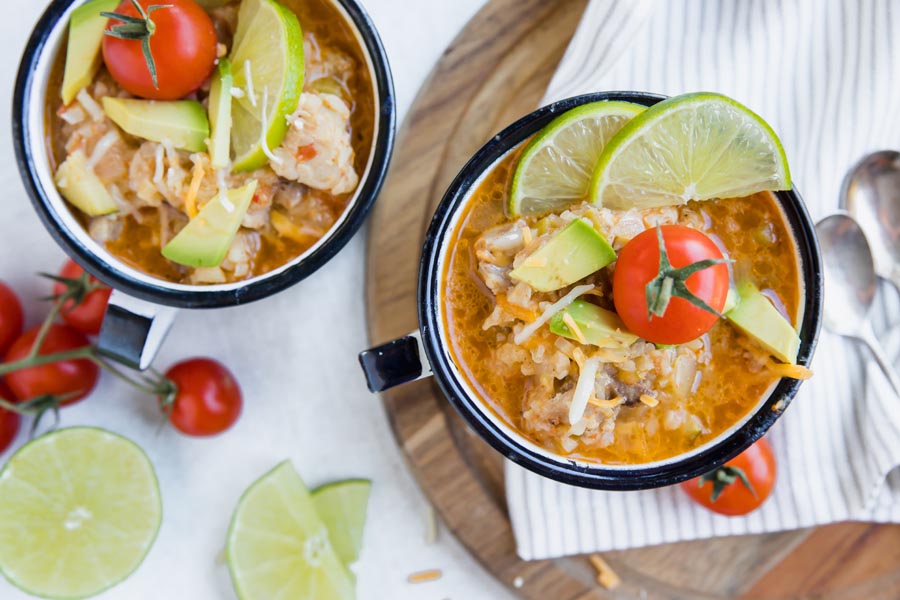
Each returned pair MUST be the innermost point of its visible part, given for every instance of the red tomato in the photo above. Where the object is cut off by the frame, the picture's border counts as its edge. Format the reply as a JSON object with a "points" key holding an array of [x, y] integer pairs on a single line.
{"points": [[638, 265], [183, 45], [9, 421], [74, 376], [736, 497], [87, 316], [207, 399], [11, 317]]}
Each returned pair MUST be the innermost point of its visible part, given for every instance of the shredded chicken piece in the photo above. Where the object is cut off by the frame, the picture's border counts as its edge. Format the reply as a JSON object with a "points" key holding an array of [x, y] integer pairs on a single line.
{"points": [[317, 150]]}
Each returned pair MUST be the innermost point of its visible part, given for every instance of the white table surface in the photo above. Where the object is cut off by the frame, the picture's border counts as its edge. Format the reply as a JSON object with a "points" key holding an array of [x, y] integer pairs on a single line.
{"points": [[295, 356]]}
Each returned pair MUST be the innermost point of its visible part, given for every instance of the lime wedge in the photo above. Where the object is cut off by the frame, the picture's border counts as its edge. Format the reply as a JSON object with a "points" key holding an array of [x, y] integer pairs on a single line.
{"points": [[279, 548], [556, 166], [79, 510], [267, 61], [342, 507], [691, 147]]}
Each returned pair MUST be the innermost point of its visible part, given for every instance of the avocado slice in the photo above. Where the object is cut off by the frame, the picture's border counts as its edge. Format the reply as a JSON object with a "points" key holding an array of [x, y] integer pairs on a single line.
{"points": [[205, 240], [83, 48], [756, 316], [182, 122], [572, 254], [598, 326], [220, 115], [78, 184]]}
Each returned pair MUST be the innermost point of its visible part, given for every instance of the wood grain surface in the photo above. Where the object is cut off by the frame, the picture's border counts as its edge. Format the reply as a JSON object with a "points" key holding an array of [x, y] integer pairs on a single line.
{"points": [[494, 72]]}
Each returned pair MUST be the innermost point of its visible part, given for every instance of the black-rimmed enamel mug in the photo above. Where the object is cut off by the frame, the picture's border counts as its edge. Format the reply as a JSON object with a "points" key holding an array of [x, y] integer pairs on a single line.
{"points": [[142, 307], [426, 352]]}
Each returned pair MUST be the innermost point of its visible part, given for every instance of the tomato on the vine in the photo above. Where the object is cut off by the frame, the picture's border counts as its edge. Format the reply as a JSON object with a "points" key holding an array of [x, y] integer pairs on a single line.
{"points": [[71, 379], [174, 39], [87, 315], [677, 314], [738, 487], [9, 420], [207, 399], [11, 317]]}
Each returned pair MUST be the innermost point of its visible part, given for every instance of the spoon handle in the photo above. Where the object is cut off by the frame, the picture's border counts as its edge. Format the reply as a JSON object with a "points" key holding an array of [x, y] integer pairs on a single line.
{"points": [[868, 336]]}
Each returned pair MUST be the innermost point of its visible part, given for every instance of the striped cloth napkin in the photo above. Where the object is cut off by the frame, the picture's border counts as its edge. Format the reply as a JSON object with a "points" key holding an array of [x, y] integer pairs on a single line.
{"points": [[824, 74]]}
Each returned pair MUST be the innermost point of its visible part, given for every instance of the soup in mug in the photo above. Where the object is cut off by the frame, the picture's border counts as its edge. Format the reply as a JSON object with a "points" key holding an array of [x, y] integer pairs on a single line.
{"points": [[524, 345]]}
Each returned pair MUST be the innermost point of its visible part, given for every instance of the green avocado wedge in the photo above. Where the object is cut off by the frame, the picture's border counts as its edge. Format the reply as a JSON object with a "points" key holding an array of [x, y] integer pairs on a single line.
{"points": [[573, 253], [756, 316], [83, 48], [598, 326], [78, 184], [181, 122], [205, 240]]}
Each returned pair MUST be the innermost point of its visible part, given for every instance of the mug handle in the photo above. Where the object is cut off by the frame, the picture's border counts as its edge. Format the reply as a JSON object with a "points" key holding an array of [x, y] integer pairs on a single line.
{"points": [[398, 361], [133, 330]]}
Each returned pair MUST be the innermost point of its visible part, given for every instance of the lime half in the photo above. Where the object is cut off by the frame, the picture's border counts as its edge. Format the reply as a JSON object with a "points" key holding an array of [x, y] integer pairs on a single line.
{"points": [[556, 166], [691, 147], [267, 60], [342, 507], [279, 548], [79, 510]]}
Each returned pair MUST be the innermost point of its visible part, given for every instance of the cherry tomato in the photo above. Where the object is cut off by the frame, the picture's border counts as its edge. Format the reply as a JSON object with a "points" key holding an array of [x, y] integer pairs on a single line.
{"points": [[756, 464], [11, 317], [73, 376], [638, 265], [183, 45], [9, 421], [207, 399], [87, 316]]}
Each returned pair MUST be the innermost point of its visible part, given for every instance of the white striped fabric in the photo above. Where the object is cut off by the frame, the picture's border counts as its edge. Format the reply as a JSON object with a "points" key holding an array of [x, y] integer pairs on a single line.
{"points": [[824, 73]]}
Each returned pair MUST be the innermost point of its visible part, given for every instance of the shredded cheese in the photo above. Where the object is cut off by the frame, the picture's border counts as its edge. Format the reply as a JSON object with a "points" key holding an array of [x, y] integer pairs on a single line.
{"points": [[264, 118], [574, 328], [649, 400], [526, 235], [529, 330], [190, 199], [584, 389], [535, 261], [791, 371], [424, 576], [237, 92], [102, 147], [431, 526], [611, 403], [90, 105], [160, 165], [248, 75], [73, 115], [606, 577]]}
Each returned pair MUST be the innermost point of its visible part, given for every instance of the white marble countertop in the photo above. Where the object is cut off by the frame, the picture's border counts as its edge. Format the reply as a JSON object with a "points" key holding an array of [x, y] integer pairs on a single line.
{"points": [[295, 356]]}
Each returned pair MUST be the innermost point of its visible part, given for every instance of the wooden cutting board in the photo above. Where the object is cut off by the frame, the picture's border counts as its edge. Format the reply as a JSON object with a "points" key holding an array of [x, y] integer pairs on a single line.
{"points": [[494, 72]]}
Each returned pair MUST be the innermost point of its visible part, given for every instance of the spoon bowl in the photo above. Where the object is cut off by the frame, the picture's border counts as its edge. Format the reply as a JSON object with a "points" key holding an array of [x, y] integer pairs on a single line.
{"points": [[850, 285], [850, 279], [871, 195]]}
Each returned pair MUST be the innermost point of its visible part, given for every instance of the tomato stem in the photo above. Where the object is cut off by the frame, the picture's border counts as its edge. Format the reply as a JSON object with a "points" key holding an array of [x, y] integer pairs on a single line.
{"points": [[723, 477], [137, 29], [672, 283]]}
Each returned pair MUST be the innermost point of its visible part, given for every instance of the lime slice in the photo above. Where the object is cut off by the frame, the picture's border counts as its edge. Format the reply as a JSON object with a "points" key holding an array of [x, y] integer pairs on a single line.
{"points": [[556, 166], [691, 147], [279, 548], [342, 507], [79, 510], [267, 61]]}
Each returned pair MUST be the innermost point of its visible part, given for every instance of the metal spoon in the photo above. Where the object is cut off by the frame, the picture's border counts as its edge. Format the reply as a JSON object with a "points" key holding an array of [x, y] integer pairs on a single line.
{"points": [[850, 284], [871, 194]]}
